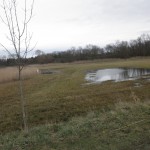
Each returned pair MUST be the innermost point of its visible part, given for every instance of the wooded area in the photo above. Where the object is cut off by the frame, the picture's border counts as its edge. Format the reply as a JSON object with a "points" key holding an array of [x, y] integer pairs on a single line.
{"points": [[120, 49]]}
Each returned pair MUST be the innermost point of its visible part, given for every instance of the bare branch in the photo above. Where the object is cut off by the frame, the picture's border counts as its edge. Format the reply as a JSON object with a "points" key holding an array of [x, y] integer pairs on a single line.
{"points": [[18, 35], [8, 51], [3, 20], [8, 20], [31, 12], [25, 17], [16, 16]]}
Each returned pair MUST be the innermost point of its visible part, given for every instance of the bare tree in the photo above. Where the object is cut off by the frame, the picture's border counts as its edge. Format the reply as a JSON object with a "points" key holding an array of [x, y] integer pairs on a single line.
{"points": [[39, 52], [19, 38]]}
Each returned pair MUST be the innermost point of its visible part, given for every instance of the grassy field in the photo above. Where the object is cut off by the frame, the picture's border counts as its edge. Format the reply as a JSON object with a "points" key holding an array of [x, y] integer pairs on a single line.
{"points": [[123, 127], [55, 99]]}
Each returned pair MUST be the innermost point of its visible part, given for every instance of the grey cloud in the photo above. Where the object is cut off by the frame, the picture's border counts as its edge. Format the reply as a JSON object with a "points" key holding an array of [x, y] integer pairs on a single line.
{"points": [[98, 12], [144, 32], [123, 9]]}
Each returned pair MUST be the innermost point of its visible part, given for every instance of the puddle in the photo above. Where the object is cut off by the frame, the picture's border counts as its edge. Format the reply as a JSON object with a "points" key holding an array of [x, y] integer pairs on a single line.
{"points": [[115, 74]]}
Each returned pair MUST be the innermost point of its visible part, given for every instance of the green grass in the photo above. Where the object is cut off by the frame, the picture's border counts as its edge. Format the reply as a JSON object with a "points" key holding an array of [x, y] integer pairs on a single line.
{"points": [[58, 97], [123, 127]]}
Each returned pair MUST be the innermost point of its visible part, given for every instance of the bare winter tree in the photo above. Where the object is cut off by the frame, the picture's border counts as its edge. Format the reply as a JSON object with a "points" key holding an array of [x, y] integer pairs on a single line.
{"points": [[17, 19]]}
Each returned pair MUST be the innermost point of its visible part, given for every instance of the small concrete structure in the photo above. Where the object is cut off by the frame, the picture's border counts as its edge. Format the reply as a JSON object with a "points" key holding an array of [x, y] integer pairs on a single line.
{"points": [[47, 71]]}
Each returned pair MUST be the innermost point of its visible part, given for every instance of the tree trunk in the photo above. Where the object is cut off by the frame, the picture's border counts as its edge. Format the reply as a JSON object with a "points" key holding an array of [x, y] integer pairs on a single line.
{"points": [[23, 104]]}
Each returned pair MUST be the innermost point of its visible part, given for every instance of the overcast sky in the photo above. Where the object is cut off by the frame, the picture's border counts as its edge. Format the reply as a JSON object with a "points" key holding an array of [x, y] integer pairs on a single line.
{"points": [[61, 24]]}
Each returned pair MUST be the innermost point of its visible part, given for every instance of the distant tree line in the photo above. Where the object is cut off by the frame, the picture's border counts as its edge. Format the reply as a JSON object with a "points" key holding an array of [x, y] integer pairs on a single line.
{"points": [[120, 49]]}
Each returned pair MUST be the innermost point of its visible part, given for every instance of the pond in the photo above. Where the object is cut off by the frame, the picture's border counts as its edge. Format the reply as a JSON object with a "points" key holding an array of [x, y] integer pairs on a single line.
{"points": [[115, 74]]}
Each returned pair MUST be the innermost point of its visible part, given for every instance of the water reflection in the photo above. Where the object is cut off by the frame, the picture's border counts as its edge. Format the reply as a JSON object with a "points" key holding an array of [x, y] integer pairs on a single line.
{"points": [[116, 74]]}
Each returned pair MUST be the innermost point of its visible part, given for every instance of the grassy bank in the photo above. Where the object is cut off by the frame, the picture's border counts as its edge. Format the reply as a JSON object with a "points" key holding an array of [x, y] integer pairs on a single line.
{"points": [[56, 98], [125, 126]]}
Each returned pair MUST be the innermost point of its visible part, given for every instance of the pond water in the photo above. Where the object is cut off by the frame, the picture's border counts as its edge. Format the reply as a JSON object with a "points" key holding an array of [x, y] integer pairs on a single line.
{"points": [[115, 74]]}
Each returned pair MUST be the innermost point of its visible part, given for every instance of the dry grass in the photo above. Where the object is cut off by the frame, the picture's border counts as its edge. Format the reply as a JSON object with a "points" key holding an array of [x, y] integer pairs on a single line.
{"points": [[58, 97], [8, 74]]}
